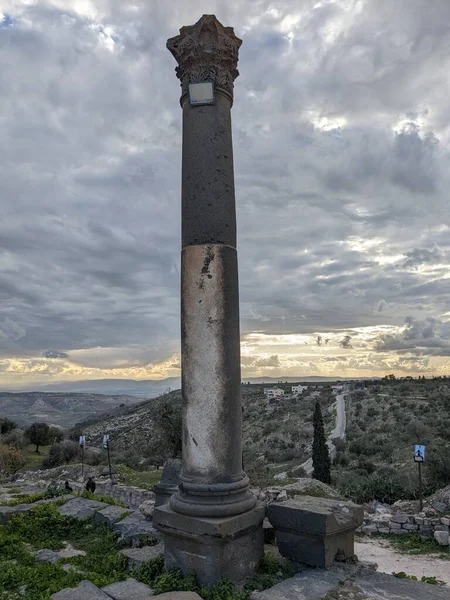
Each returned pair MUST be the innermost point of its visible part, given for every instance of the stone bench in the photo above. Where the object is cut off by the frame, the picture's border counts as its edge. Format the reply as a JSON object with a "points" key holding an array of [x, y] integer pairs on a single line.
{"points": [[315, 531]]}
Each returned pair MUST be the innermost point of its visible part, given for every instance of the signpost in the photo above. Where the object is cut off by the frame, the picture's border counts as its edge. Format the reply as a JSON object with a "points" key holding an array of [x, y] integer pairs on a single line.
{"points": [[82, 442], [106, 446], [419, 458]]}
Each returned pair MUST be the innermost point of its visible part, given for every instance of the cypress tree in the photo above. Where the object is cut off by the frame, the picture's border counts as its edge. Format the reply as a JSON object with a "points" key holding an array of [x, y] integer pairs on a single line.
{"points": [[320, 455]]}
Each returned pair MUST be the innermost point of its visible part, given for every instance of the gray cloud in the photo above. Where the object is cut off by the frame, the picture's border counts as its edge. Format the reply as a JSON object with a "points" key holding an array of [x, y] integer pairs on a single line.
{"points": [[429, 336], [54, 354], [341, 140]]}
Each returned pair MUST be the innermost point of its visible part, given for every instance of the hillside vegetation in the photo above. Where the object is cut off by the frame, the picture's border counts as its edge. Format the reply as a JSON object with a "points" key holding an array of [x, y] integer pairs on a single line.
{"points": [[384, 422], [63, 409], [276, 434]]}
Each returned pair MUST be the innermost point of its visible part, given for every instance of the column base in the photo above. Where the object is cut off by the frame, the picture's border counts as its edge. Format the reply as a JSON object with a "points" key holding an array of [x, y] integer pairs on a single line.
{"points": [[214, 548], [214, 500]]}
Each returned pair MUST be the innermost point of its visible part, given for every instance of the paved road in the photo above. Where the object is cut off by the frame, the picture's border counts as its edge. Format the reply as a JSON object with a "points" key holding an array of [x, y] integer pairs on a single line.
{"points": [[338, 432]]}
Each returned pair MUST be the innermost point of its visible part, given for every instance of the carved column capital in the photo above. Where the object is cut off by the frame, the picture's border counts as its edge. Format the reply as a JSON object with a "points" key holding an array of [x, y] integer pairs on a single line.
{"points": [[206, 51]]}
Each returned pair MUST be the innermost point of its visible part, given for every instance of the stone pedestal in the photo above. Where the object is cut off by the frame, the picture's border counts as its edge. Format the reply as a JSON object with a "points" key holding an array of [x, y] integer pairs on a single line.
{"points": [[215, 548], [315, 531], [212, 524], [169, 483]]}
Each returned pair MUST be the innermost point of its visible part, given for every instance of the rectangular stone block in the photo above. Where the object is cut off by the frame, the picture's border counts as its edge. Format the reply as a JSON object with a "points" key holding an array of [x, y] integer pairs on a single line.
{"points": [[214, 548], [383, 530], [410, 527], [393, 526], [399, 519], [314, 530]]}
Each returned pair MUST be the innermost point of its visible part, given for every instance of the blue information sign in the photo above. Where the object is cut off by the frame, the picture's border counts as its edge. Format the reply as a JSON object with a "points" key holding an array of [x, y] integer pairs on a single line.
{"points": [[419, 453]]}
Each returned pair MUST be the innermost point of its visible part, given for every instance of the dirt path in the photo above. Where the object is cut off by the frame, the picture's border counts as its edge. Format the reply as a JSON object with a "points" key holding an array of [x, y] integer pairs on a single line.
{"points": [[390, 561]]}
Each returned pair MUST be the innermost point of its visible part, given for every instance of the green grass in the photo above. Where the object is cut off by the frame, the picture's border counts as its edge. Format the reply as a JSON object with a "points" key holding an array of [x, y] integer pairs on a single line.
{"points": [[142, 479], [43, 527], [22, 578], [99, 498], [414, 545], [33, 461], [27, 498]]}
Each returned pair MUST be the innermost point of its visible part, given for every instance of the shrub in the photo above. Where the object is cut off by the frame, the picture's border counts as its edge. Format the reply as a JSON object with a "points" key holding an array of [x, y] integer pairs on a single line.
{"points": [[16, 439], [6, 426], [62, 453], [11, 460]]}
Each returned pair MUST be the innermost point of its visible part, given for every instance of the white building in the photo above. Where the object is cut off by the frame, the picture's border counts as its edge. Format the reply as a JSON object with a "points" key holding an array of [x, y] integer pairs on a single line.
{"points": [[298, 389], [273, 392]]}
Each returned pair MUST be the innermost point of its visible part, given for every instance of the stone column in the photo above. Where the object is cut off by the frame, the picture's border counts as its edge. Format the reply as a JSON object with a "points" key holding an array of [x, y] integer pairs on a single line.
{"points": [[214, 490]]}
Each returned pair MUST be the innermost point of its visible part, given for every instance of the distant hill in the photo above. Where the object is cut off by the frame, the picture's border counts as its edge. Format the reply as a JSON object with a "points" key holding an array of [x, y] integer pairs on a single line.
{"points": [[279, 431], [64, 409], [148, 388]]}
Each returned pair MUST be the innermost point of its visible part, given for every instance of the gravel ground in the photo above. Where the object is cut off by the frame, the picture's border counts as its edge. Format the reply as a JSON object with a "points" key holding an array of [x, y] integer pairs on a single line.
{"points": [[390, 561]]}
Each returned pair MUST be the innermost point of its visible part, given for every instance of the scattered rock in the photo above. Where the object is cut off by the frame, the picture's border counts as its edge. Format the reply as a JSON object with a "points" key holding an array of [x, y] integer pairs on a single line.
{"points": [[81, 508], [179, 596], [442, 538], [52, 556], [135, 526], [85, 591], [110, 515], [310, 487], [130, 589], [282, 496], [147, 508], [137, 556], [377, 508]]}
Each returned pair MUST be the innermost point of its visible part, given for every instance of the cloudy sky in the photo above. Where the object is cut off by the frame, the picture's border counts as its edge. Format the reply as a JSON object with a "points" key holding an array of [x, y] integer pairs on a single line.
{"points": [[341, 129]]}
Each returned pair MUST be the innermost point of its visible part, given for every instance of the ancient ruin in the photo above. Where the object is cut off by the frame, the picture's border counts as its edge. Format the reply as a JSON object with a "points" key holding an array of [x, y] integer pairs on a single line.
{"points": [[213, 524]]}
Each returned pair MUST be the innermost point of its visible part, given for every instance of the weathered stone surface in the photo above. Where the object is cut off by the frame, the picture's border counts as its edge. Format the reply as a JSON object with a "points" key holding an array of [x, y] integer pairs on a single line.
{"points": [[282, 496], [46, 555], [110, 515], [313, 530], [378, 508], [135, 526], [399, 519], [445, 521], [369, 529], [304, 486], [178, 596], [169, 483], [442, 538], [316, 584], [394, 526], [130, 589], [85, 591], [81, 508], [52, 556], [137, 556], [312, 584], [228, 548], [7, 512], [380, 586], [410, 527], [147, 508], [315, 516]]}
